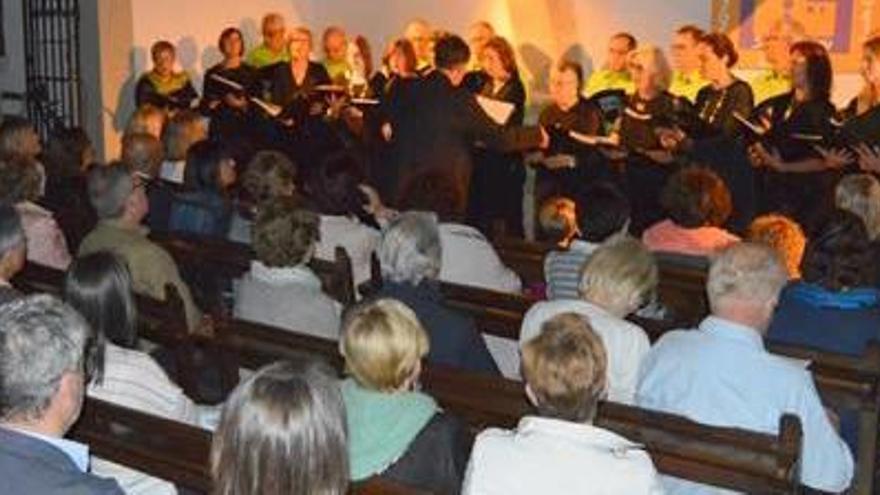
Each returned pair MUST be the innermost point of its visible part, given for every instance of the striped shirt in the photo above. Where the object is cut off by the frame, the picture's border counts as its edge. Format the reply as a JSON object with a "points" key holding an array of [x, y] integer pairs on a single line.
{"points": [[562, 269], [133, 379]]}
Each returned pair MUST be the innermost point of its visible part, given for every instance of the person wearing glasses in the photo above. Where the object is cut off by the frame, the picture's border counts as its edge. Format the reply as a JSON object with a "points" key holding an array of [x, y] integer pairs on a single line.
{"points": [[273, 49]]}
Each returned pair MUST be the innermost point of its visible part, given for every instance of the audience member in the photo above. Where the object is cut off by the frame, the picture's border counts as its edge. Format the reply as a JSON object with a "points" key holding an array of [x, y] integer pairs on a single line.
{"points": [[411, 254], [18, 138], [557, 221], [335, 192], [148, 119], [394, 430], [273, 49], [860, 194], [269, 175], [98, 286], [559, 450], [467, 258], [121, 204], [614, 74], [44, 350], [698, 203], [180, 132], [782, 234], [13, 252], [722, 375], [204, 207], [602, 212], [618, 279], [280, 289], [282, 431], [20, 187]]}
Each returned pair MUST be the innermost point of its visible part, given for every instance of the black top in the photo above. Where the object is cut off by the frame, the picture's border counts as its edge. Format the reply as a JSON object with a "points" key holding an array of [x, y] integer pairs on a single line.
{"points": [[861, 127], [245, 75], [715, 109], [293, 96], [475, 80], [146, 92], [511, 91], [641, 117], [790, 121], [585, 117], [437, 457], [454, 339]]}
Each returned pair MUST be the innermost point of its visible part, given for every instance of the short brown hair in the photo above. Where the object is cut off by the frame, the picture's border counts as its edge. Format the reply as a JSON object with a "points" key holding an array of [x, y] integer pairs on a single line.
{"points": [[383, 344], [268, 174], [565, 368], [19, 180], [693, 31], [568, 64], [696, 197], [505, 53], [721, 46], [143, 153], [284, 234], [180, 132], [161, 46]]}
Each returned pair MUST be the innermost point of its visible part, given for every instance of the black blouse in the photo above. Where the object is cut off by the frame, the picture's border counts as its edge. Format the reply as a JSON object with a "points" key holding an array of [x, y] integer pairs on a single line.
{"points": [[512, 92], [585, 117], [715, 110], [245, 75], [285, 91], [641, 117], [796, 127]]}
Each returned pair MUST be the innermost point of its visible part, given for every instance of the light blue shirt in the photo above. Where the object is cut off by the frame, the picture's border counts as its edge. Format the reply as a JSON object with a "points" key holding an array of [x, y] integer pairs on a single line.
{"points": [[721, 375], [77, 452]]}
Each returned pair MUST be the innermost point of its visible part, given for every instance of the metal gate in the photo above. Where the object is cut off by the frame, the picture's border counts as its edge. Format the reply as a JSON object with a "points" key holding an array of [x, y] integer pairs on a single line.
{"points": [[52, 64]]}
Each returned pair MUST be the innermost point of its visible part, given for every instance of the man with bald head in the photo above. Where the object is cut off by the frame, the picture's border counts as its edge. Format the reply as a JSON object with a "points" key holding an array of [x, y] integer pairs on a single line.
{"points": [[721, 374], [273, 49]]}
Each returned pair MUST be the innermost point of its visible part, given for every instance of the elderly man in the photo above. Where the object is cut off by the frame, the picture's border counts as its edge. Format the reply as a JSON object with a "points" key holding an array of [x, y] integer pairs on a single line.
{"points": [[43, 355], [776, 45], [720, 374], [411, 254], [121, 204], [687, 80], [615, 74], [273, 50], [335, 43], [13, 251]]}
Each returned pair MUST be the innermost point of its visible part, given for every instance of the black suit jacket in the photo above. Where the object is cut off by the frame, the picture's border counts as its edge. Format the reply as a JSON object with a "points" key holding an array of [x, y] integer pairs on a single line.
{"points": [[30, 465], [441, 124]]}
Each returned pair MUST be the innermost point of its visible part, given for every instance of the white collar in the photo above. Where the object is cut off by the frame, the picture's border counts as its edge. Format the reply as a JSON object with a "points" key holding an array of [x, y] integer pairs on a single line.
{"points": [[287, 275], [77, 452], [599, 438]]}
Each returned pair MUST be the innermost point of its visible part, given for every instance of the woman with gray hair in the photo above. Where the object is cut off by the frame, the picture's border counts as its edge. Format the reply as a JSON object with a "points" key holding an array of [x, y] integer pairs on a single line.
{"points": [[410, 254], [13, 250]]}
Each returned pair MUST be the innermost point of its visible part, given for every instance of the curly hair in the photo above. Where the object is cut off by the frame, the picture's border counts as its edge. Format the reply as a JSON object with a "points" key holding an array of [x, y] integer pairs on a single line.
{"points": [[839, 254], [20, 180], [284, 235], [696, 197]]}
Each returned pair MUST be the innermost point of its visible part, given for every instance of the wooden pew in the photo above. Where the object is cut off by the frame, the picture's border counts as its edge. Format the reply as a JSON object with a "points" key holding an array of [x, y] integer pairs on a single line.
{"points": [[729, 457], [681, 287], [231, 260], [180, 454], [526, 258]]}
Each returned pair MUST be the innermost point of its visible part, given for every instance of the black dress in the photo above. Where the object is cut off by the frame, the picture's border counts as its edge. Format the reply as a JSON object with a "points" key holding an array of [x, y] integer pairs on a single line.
{"points": [[802, 196], [234, 126], [645, 178], [585, 117], [176, 94], [719, 144], [497, 182]]}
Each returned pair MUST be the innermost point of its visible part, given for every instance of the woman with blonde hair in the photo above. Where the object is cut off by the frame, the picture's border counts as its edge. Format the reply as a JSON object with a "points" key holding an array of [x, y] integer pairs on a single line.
{"points": [[618, 278], [395, 431], [863, 111], [282, 431], [860, 194]]}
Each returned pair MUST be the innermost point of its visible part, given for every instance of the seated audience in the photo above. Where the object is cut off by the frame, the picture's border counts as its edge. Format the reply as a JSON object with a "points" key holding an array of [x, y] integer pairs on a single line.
{"points": [[394, 430], [143, 153], [411, 255], [147, 119], [782, 234], [559, 450], [120, 202], [163, 87], [269, 175], [618, 279], [835, 306], [557, 221], [721, 374], [68, 155], [44, 349], [468, 258], [20, 187], [335, 192], [280, 289], [282, 431], [98, 286], [602, 212], [860, 194], [698, 204], [180, 132], [204, 207], [13, 247], [19, 139]]}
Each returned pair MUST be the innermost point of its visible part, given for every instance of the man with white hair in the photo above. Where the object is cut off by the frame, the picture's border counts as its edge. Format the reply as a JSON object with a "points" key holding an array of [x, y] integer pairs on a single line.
{"points": [[44, 353], [720, 374], [776, 45], [273, 49]]}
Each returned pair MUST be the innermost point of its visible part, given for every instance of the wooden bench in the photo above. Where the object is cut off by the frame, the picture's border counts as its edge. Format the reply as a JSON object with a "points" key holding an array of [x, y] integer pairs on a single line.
{"points": [[231, 260], [681, 287], [732, 458], [180, 454], [526, 258]]}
